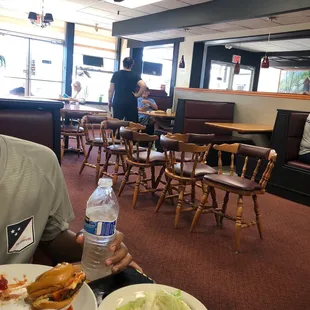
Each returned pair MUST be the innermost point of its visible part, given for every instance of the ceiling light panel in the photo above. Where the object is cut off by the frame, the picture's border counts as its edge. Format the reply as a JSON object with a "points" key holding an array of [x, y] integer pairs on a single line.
{"points": [[132, 4]]}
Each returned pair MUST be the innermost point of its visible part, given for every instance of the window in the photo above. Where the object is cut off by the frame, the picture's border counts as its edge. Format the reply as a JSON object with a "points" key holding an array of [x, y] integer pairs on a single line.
{"points": [[40, 74], [162, 54], [222, 77], [294, 81], [98, 44]]}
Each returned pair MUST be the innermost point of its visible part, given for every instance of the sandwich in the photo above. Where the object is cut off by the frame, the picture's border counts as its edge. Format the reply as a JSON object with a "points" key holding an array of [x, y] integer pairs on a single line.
{"points": [[55, 288]]}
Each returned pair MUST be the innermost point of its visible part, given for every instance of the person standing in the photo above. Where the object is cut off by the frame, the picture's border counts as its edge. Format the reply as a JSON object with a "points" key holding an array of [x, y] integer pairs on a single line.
{"points": [[122, 92]]}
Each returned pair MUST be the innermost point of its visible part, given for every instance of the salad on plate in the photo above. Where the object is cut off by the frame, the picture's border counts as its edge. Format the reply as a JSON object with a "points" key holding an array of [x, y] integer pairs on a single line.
{"points": [[160, 300]]}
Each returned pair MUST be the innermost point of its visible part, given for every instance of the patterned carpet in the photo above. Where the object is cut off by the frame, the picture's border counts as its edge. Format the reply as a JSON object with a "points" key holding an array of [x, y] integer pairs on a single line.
{"points": [[273, 273]]}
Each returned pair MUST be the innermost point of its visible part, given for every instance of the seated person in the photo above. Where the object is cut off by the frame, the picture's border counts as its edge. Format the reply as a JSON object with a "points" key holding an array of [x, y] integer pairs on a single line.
{"points": [[36, 209], [146, 104], [304, 150], [79, 93]]}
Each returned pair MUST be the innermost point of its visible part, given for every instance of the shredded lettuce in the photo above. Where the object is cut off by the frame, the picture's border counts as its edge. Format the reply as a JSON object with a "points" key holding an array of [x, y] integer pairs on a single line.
{"points": [[160, 300]]}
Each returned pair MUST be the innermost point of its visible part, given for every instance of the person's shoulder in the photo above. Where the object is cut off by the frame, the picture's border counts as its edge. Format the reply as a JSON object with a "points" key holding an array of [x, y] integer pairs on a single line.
{"points": [[41, 156]]}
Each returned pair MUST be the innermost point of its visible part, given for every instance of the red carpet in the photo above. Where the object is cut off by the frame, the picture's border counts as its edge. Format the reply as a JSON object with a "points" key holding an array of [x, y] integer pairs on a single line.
{"points": [[268, 274]]}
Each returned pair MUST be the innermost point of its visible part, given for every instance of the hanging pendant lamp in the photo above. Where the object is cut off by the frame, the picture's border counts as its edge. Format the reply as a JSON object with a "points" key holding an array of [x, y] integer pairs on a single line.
{"points": [[265, 61], [237, 68]]}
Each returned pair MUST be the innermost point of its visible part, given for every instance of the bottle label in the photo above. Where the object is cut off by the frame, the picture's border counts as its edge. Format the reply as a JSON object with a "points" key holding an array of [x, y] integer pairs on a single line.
{"points": [[106, 229]]}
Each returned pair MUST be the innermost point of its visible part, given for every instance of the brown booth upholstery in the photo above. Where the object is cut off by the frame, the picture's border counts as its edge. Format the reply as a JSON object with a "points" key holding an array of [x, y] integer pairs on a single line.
{"points": [[33, 120], [291, 178]]}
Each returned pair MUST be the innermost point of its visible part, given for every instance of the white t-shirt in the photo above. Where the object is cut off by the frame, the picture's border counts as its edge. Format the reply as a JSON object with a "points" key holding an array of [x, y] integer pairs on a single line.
{"points": [[305, 141], [34, 200]]}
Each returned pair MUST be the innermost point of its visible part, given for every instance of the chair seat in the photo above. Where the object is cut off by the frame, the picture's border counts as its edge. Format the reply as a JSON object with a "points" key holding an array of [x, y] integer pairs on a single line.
{"points": [[187, 157], [234, 182], [71, 129], [122, 148], [154, 157], [99, 140], [200, 170]]}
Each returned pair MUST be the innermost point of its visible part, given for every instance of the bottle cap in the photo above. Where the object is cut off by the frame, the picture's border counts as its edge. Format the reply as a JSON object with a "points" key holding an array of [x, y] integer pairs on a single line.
{"points": [[105, 182]]}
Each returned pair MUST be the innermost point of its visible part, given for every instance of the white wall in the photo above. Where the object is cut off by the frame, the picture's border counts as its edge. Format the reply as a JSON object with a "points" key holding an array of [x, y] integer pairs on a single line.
{"points": [[125, 51], [186, 47], [248, 108]]}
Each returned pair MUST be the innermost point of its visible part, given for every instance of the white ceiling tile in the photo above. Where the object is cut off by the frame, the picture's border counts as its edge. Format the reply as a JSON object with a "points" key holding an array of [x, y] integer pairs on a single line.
{"points": [[255, 23], [193, 2], [150, 9], [170, 4], [202, 30], [225, 27]]}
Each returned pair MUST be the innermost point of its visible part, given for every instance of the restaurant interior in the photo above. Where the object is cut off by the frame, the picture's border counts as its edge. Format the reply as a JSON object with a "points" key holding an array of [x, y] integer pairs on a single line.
{"points": [[231, 81]]}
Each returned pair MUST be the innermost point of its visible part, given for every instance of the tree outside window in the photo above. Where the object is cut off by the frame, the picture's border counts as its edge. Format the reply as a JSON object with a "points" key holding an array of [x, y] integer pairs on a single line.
{"points": [[294, 81]]}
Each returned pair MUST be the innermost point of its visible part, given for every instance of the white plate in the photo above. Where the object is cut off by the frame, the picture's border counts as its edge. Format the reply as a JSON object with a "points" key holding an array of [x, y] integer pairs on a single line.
{"points": [[126, 294], [84, 300]]}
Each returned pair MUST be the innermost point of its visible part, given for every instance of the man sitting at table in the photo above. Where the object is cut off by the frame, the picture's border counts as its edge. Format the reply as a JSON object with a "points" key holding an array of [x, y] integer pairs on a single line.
{"points": [[36, 209], [146, 104], [80, 93]]}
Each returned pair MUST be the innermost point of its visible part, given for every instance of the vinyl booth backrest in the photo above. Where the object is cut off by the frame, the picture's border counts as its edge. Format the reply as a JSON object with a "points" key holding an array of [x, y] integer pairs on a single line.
{"points": [[191, 116], [295, 132], [31, 125]]}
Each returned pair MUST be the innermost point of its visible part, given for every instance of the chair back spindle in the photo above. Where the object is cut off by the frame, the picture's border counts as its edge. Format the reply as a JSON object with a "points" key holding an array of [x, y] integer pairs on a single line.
{"points": [[249, 151]]}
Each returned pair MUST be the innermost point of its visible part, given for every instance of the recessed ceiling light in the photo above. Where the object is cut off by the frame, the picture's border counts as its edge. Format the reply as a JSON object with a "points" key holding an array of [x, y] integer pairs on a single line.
{"points": [[132, 4]]}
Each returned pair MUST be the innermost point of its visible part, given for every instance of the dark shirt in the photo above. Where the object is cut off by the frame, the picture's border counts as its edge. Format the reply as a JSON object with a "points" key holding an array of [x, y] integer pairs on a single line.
{"points": [[125, 83]]}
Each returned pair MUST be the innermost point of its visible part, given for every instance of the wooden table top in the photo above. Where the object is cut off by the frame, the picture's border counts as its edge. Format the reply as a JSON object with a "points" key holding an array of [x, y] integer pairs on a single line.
{"points": [[159, 115], [82, 108], [243, 128]]}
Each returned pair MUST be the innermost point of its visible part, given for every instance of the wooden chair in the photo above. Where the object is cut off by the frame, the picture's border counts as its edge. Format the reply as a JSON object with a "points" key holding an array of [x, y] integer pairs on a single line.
{"points": [[71, 127], [113, 146], [185, 171], [93, 135], [142, 160], [238, 185]]}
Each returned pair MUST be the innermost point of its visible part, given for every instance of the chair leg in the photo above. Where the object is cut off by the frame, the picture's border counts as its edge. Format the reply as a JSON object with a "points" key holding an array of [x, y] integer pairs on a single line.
{"points": [[106, 164], [163, 194], [123, 163], [203, 202], [193, 192], [161, 172], [116, 167], [62, 149], [137, 188], [125, 180], [238, 223], [214, 203], [86, 159], [179, 206], [170, 189], [83, 146], [153, 181], [78, 147], [258, 216], [98, 164], [224, 207]]}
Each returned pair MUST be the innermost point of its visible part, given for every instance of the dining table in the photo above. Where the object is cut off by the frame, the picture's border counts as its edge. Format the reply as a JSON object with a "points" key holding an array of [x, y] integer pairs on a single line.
{"points": [[245, 128], [82, 108], [156, 114]]}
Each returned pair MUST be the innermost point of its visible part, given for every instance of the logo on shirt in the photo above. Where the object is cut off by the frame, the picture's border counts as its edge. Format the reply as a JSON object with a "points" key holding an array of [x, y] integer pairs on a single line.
{"points": [[20, 235]]}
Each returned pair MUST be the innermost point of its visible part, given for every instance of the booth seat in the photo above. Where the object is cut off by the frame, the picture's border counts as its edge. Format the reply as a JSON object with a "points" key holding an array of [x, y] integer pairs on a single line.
{"points": [[291, 177]]}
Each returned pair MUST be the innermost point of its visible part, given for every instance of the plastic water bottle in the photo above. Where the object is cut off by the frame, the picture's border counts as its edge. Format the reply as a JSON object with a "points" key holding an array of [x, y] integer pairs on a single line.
{"points": [[100, 227]]}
